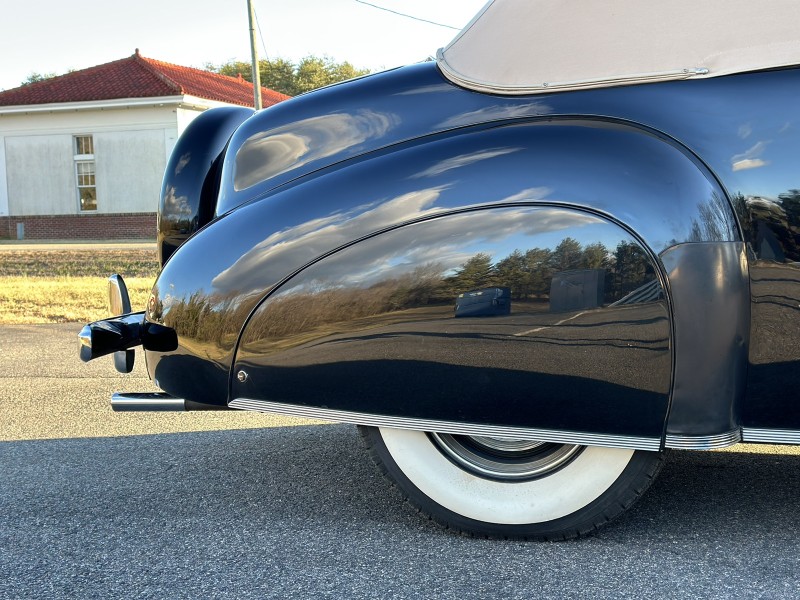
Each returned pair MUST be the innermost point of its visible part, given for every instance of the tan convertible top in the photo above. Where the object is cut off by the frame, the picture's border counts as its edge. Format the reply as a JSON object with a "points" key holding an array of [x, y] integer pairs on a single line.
{"points": [[536, 46]]}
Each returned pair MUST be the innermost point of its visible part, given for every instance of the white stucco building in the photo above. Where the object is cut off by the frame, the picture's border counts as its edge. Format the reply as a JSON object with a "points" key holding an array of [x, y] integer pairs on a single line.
{"points": [[82, 155]]}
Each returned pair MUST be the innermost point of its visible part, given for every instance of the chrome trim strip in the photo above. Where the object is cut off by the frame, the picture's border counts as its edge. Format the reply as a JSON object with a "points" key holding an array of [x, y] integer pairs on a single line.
{"points": [[771, 436], [532, 88], [703, 442], [146, 401], [451, 427]]}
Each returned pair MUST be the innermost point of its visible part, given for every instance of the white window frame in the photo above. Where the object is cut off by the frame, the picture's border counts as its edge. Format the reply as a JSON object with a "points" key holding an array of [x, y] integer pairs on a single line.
{"points": [[83, 159]]}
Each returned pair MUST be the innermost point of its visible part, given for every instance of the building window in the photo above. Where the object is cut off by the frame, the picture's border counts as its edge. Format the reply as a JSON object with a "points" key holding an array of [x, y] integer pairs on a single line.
{"points": [[85, 172]]}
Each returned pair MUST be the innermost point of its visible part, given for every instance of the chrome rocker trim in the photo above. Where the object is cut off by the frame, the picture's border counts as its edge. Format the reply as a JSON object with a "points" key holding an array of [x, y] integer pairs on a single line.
{"points": [[451, 427], [703, 442], [771, 436]]}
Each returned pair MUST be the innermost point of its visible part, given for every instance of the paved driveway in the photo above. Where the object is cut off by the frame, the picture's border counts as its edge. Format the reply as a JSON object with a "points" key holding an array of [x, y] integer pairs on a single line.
{"points": [[95, 504]]}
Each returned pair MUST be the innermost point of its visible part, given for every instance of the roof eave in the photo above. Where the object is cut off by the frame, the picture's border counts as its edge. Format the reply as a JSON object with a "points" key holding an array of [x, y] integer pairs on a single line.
{"points": [[117, 103], [198, 103], [182, 101]]}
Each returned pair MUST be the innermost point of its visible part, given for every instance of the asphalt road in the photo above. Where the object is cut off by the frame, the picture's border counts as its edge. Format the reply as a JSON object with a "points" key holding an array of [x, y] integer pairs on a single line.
{"points": [[285, 509]]}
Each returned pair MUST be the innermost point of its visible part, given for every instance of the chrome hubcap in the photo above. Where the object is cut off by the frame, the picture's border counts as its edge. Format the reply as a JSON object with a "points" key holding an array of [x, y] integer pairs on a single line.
{"points": [[504, 458]]}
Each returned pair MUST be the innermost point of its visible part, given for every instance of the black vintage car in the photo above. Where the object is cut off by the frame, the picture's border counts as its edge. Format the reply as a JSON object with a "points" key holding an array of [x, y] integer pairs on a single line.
{"points": [[622, 175]]}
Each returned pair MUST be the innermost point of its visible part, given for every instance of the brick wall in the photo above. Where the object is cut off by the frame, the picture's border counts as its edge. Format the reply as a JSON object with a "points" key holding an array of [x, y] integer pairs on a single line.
{"points": [[120, 226]]}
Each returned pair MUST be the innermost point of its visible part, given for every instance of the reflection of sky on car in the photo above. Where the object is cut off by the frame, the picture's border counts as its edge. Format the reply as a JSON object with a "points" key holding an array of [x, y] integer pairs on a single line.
{"points": [[448, 241], [270, 153], [461, 161], [453, 174], [444, 245], [510, 109], [764, 167], [455, 256]]}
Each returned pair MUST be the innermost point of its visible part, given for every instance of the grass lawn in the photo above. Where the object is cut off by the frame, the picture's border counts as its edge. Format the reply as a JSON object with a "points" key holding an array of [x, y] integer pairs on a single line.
{"points": [[63, 286]]}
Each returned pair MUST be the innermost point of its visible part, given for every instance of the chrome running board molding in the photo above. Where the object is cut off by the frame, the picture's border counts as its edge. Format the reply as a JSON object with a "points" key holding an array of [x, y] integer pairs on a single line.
{"points": [[770, 436], [703, 442], [451, 427], [723, 440]]}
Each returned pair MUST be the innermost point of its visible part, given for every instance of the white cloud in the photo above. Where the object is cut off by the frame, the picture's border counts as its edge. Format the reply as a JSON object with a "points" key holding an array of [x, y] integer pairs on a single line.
{"points": [[750, 158], [745, 130], [464, 160], [275, 151], [176, 205], [749, 163], [529, 195], [498, 112]]}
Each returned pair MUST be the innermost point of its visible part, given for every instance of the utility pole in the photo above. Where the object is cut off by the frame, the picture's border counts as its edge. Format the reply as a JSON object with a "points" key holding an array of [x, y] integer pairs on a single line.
{"points": [[254, 55]]}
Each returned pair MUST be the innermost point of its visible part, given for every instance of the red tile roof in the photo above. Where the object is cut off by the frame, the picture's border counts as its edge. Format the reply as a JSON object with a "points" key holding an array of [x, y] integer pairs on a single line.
{"points": [[137, 77]]}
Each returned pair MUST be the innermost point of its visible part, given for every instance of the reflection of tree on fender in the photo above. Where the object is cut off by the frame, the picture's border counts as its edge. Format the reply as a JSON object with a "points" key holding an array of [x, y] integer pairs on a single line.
{"points": [[529, 273]]}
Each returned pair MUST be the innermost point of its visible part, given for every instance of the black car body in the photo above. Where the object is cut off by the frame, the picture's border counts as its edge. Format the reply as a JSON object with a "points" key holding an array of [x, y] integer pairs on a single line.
{"points": [[647, 237]]}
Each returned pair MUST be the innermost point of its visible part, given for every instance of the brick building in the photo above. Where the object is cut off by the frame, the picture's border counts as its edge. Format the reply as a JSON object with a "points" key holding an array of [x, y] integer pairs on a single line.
{"points": [[82, 155]]}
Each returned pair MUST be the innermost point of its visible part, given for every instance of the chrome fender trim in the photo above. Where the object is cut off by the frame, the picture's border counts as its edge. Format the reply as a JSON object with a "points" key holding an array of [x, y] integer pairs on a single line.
{"points": [[703, 442], [451, 427], [770, 436]]}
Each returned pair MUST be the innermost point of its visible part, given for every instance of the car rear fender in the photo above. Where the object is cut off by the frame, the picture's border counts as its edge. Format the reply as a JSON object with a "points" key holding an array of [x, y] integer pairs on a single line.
{"points": [[632, 181], [191, 179]]}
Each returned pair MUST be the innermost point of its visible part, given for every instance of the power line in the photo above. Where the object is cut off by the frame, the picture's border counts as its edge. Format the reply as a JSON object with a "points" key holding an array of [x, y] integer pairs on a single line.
{"points": [[261, 34], [408, 16]]}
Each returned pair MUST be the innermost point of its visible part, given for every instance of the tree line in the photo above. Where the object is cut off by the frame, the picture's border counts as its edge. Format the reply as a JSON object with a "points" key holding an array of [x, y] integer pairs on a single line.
{"points": [[529, 273], [291, 78]]}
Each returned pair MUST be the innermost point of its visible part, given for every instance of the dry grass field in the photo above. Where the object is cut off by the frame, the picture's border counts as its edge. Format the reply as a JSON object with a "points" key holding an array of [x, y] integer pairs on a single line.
{"points": [[63, 286]]}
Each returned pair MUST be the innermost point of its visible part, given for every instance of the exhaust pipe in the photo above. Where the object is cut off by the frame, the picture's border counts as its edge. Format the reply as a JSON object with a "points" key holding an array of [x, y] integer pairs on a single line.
{"points": [[146, 401], [157, 401]]}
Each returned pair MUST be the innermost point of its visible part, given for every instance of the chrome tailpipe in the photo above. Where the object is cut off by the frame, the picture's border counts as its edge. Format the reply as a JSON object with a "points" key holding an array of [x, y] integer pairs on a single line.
{"points": [[157, 401], [146, 401]]}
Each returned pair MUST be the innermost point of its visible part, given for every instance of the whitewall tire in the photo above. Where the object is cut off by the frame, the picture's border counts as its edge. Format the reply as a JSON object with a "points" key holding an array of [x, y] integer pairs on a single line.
{"points": [[511, 488]]}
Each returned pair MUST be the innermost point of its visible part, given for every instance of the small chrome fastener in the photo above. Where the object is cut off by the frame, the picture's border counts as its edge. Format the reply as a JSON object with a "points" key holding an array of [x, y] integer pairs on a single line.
{"points": [[242, 376]]}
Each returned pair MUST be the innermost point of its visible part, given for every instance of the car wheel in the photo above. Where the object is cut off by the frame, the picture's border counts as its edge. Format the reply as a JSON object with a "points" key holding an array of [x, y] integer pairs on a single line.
{"points": [[510, 488]]}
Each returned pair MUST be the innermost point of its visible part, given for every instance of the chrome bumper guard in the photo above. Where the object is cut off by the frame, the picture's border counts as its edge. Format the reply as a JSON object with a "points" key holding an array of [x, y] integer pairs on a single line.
{"points": [[119, 334], [114, 334], [123, 331]]}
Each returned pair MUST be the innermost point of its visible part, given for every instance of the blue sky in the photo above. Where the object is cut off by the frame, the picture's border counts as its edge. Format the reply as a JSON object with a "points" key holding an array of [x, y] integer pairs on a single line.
{"points": [[55, 36]]}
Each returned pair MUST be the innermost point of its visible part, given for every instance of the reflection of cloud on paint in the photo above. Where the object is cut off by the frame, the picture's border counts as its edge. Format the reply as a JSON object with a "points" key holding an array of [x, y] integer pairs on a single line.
{"points": [[284, 251], [497, 113], [528, 195], [176, 206], [749, 163], [182, 162], [269, 156], [463, 160], [750, 158], [745, 130], [447, 242], [426, 89], [278, 150]]}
